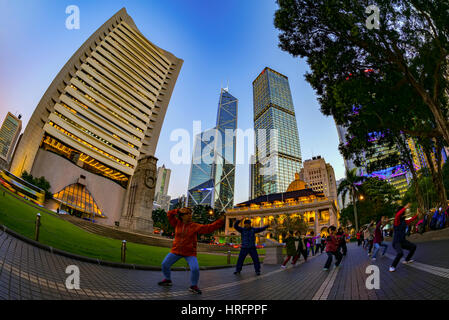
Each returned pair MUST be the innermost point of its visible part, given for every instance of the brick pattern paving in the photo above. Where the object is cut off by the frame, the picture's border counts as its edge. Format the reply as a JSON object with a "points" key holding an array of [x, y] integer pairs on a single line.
{"points": [[27, 272]]}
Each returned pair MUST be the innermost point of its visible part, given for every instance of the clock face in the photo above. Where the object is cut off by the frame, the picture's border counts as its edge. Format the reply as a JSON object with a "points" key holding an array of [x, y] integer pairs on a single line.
{"points": [[150, 181]]}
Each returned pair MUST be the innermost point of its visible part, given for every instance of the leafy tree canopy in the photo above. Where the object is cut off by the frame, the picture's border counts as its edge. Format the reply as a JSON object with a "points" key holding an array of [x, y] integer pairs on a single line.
{"points": [[391, 78], [38, 182]]}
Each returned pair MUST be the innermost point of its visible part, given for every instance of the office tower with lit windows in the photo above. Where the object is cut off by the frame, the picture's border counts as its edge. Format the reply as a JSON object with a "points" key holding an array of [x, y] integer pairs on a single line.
{"points": [[161, 197], [94, 133], [212, 179], [398, 175], [278, 152], [319, 176], [9, 133]]}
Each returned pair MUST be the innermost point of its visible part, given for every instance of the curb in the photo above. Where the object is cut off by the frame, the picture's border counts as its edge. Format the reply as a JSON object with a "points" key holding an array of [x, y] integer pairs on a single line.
{"points": [[98, 261]]}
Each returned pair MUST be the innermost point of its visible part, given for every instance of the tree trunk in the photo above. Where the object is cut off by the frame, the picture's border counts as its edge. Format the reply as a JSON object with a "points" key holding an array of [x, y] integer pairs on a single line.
{"points": [[408, 161], [355, 211], [437, 177], [421, 209]]}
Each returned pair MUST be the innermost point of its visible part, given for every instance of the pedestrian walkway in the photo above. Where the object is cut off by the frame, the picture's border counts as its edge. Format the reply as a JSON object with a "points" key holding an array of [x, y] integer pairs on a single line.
{"points": [[27, 272]]}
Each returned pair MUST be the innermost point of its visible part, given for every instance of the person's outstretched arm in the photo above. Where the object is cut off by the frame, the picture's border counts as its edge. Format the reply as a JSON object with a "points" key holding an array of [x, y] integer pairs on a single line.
{"points": [[237, 227], [411, 219], [209, 228], [397, 218], [171, 215], [257, 230]]}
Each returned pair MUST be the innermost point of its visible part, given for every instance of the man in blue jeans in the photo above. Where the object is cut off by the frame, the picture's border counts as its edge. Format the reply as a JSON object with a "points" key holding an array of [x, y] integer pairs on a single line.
{"points": [[378, 238], [248, 245]]}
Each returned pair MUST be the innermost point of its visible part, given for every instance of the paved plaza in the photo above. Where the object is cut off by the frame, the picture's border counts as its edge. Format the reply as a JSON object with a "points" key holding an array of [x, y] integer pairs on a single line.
{"points": [[27, 272]]}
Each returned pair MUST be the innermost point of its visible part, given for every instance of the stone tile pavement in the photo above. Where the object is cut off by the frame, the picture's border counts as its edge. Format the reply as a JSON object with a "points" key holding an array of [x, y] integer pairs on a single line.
{"points": [[29, 273]]}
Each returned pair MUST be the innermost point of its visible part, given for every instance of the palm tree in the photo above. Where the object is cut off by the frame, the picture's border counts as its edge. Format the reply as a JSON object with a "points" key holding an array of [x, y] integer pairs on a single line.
{"points": [[351, 184]]}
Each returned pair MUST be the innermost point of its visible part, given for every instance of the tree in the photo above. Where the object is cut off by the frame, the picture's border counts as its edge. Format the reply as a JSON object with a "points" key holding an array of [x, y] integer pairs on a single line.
{"points": [[39, 182], [205, 214], [379, 199], [351, 184], [160, 220], [434, 147], [286, 223], [395, 153], [445, 172], [429, 194], [398, 71]]}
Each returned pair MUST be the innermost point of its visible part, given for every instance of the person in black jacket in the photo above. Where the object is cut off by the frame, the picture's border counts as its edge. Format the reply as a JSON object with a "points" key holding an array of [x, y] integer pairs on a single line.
{"points": [[342, 238], [248, 245], [301, 250]]}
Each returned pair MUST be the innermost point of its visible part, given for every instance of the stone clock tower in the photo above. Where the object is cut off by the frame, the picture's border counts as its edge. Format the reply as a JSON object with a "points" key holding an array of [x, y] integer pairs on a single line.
{"points": [[137, 212]]}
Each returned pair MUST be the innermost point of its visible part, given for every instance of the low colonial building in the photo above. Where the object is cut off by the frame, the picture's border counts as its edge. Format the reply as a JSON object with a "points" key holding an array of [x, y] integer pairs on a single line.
{"points": [[317, 210]]}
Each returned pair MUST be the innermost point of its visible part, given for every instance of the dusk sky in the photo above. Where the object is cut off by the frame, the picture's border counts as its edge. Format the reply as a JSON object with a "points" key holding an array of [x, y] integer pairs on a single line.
{"points": [[220, 42]]}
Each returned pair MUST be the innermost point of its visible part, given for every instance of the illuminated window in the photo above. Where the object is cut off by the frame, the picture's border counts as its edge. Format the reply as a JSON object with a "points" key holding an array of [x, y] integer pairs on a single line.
{"points": [[76, 196]]}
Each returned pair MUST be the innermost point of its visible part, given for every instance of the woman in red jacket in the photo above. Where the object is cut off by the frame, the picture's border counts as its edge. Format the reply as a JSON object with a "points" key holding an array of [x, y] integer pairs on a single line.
{"points": [[184, 245], [332, 244]]}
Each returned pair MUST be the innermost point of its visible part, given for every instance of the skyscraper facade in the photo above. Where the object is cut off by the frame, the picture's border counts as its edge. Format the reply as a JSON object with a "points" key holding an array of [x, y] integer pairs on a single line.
{"points": [[212, 174], [201, 184], [319, 176], [223, 169], [161, 196], [278, 152], [9, 133], [397, 175], [99, 122]]}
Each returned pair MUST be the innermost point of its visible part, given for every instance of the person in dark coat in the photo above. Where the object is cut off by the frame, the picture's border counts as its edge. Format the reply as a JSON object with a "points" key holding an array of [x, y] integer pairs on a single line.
{"points": [[342, 241], [399, 241], [378, 238], [290, 246], [301, 250], [248, 245]]}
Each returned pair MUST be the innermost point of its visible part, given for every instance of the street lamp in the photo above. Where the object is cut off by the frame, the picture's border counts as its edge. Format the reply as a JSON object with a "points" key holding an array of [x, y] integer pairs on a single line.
{"points": [[361, 197]]}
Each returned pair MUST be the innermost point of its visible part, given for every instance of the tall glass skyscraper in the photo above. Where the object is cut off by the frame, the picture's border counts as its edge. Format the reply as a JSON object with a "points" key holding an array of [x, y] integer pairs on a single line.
{"points": [[212, 182], [278, 152]]}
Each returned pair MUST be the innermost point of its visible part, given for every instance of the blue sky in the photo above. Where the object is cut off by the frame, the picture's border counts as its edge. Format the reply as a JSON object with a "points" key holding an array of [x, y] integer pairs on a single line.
{"points": [[219, 41]]}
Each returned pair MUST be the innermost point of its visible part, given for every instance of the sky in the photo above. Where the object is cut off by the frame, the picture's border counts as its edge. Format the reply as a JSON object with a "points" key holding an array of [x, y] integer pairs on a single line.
{"points": [[222, 43]]}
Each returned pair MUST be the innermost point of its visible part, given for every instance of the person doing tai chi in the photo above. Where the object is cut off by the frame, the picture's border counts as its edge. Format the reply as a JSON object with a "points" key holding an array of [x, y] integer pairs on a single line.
{"points": [[399, 242], [248, 245], [185, 243]]}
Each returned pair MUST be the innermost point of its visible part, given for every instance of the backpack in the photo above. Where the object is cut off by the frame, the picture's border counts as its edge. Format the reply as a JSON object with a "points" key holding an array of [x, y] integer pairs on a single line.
{"points": [[441, 221], [434, 220]]}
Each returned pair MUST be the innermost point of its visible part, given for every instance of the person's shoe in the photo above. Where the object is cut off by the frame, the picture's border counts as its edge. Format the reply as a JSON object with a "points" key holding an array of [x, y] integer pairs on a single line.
{"points": [[336, 267], [165, 283], [407, 262], [195, 289], [283, 267], [373, 259], [392, 269], [236, 272], [325, 269], [257, 273]]}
